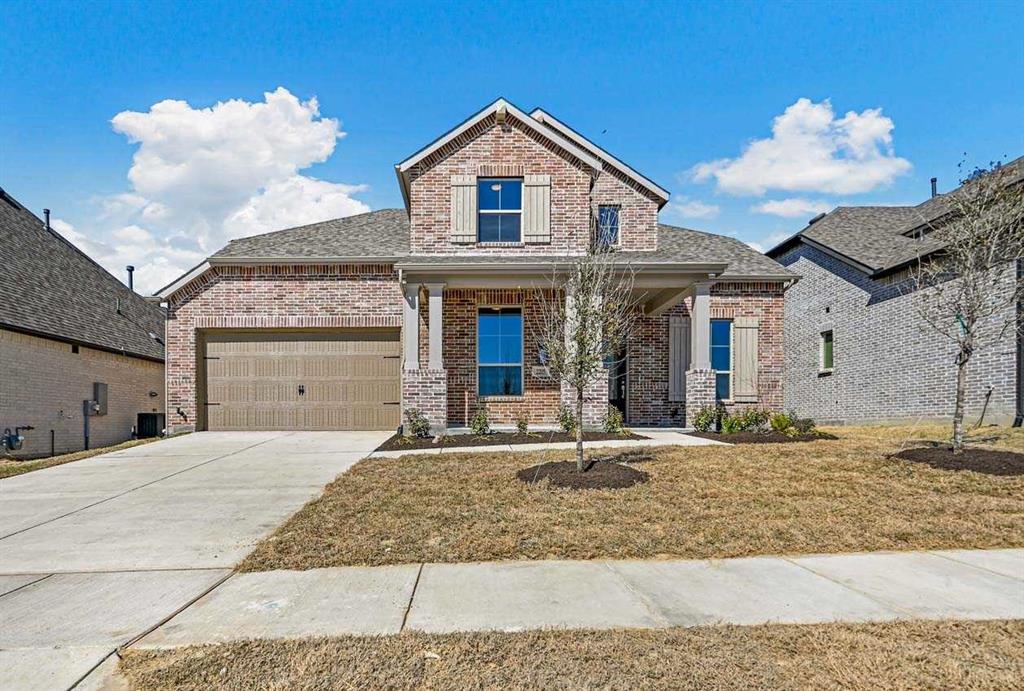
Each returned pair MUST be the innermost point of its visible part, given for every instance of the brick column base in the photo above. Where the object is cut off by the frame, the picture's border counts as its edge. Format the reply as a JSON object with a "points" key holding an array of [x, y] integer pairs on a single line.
{"points": [[700, 392], [427, 389], [595, 401]]}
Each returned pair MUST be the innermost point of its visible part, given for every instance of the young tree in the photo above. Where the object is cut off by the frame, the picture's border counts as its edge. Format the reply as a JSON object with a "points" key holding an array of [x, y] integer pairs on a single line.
{"points": [[960, 284], [586, 316]]}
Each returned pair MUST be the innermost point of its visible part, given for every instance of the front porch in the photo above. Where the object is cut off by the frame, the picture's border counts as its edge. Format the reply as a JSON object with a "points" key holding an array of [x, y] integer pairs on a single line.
{"points": [[470, 341]]}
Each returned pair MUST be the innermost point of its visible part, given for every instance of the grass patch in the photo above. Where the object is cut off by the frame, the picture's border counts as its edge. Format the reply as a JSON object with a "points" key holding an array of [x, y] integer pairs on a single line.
{"points": [[10, 467], [843, 495], [926, 654]]}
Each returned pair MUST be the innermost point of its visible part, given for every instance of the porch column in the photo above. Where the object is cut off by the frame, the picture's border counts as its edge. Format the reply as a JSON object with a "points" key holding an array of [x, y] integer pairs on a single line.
{"points": [[436, 300], [411, 326], [700, 378], [700, 326]]}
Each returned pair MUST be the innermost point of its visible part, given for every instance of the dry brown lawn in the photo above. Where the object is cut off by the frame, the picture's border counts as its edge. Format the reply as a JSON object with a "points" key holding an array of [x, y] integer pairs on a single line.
{"points": [[713, 501], [906, 655], [10, 467]]}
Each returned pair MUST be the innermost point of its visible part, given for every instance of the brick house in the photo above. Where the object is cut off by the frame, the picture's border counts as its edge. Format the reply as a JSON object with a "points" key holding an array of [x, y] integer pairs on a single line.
{"points": [[69, 333], [856, 349], [341, 324]]}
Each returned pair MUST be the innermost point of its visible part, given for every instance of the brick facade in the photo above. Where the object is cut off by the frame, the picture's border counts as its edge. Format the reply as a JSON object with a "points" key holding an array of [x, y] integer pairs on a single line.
{"points": [[888, 364], [55, 382], [648, 364], [426, 390], [513, 151], [271, 297]]}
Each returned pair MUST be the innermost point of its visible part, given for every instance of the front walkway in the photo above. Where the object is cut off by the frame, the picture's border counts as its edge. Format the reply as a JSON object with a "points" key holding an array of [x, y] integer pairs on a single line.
{"points": [[514, 596]]}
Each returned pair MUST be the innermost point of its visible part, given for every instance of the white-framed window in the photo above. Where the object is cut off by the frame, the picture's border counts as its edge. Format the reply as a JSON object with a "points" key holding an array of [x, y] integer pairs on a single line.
{"points": [[607, 226], [721, 357], [500, 209], [499, 351], [826, 351]]}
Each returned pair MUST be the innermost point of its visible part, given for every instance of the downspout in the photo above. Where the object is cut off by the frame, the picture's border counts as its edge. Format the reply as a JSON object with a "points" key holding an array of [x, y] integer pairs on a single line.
{"points": [[1019, 418]]}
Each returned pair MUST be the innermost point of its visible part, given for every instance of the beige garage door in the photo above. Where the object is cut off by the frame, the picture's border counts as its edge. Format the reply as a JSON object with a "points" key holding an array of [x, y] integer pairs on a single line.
{"points": [[330, 380]]}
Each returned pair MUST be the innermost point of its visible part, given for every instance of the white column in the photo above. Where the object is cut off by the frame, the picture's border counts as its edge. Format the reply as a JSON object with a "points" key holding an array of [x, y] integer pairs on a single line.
{"points": [[436, 299], [700, 327], [411, 326]]}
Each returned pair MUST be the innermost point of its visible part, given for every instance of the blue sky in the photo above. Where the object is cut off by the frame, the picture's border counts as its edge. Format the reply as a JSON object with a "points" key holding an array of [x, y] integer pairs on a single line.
{"points": [[686, 93]]}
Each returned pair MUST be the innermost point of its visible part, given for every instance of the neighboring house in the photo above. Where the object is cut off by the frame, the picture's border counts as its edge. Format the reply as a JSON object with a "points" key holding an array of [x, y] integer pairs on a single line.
{"points": [[856, 348], [342, 324], [70, 333]]}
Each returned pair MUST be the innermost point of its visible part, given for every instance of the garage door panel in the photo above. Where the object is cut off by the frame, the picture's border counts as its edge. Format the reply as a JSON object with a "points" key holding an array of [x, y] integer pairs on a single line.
{"points": [[347, 380]]}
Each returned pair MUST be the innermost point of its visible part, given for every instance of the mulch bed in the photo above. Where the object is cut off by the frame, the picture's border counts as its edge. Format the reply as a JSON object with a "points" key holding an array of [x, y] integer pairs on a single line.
{"points": [[761, 437], [597, 475], [979, 460], [400, 443]]}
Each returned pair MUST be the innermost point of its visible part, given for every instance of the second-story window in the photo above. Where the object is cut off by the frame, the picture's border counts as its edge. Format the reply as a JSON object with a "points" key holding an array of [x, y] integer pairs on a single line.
{"points": [[500, 202], [607, 226]]}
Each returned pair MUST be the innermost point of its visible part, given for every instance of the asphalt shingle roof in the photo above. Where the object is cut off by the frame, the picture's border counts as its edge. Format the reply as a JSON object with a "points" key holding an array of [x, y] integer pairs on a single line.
{"points": [[881, 237], [385, 234], [49, 287]]}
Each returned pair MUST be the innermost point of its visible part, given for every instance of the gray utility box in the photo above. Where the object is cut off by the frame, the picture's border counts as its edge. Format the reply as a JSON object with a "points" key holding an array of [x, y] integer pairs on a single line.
{"points": [[99, 395]]}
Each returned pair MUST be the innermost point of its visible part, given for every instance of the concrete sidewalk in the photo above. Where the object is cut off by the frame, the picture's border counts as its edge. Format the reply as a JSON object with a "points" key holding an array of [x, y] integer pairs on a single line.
{"points": [[656, 437], [514, 596]]}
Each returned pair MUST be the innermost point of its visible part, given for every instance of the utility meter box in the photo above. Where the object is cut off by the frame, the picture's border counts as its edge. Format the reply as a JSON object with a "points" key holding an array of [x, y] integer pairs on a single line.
{"points": [[99, 395]]}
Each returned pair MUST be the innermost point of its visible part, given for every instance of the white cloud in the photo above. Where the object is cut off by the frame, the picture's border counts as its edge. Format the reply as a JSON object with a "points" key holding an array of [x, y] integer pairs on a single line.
{"points": [[792, 208], [690, 208], [810, 150], [203, 176], [769, 241]]}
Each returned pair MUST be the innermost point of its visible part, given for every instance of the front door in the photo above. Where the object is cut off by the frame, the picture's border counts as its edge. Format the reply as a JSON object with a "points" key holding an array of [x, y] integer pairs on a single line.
{"points": [[618, 382]]}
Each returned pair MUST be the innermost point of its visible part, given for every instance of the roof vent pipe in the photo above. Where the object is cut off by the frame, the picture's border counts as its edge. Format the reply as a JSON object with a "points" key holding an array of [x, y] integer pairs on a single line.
{"points": [[46, 215], [816, 219], [131, 281], [935, 187]]}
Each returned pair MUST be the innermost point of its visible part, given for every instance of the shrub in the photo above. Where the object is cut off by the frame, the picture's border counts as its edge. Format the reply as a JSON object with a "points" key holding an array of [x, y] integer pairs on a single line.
{"points": [[416, 423], [803, 425], [731, 424], [705, 419], [480, 424], [754, 420], [781, 422], [522, 422], [613, 422], [566, 419]]}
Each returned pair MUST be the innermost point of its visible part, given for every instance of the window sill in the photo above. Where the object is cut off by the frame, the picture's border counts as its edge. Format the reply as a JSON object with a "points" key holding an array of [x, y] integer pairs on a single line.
{"points": [[500, 244], [825, 373], [501, 399]]}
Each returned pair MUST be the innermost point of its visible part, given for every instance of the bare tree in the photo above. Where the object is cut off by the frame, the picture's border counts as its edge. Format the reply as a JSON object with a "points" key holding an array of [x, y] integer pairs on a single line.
{"points": [[960, 283], [585, 317]]}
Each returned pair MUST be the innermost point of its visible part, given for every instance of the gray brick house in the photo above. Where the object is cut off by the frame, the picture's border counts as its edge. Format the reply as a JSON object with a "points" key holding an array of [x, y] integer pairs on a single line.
{"points": [[855, 348], [69, 333]]}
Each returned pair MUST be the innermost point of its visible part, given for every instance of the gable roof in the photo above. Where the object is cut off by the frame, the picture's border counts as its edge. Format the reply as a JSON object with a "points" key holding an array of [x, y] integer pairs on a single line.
{"points": [[544, 125], [52, 289], [546, 118], [879, 239]]}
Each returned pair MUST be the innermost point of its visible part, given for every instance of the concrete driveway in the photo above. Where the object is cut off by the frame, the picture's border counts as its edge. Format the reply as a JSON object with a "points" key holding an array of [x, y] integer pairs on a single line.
{"points": [[94, 553]]}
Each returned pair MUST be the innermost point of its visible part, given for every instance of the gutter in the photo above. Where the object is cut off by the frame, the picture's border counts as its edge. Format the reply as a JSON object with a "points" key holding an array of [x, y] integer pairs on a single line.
{"points": [[299, 261], [517, 267]]}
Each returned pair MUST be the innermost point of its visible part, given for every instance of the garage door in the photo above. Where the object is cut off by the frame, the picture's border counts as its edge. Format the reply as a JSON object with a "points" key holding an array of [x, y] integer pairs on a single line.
{"points": [[331, 380]]}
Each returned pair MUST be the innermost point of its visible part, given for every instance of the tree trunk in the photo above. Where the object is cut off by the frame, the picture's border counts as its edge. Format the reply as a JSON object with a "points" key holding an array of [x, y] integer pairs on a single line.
{"points": [[579, 430], [961, 395]]}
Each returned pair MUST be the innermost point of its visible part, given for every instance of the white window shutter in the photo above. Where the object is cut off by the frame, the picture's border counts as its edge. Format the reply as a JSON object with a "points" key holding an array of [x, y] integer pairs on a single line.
{"points": [[745, 330], [537, 208], [678, 357], [463, 228]]}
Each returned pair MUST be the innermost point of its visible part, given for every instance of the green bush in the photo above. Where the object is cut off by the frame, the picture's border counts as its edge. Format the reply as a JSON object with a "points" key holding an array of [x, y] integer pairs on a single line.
{"points": [[480, 424], [416, 424], [731, 424], [522, 422], [781, 422], [705, 419], [566, 419], [613, 421], [750, 420]]}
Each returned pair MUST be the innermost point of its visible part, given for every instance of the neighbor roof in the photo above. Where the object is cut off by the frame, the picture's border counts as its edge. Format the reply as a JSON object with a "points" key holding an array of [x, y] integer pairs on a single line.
{"points": [[52, 289], [878, 239]]}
